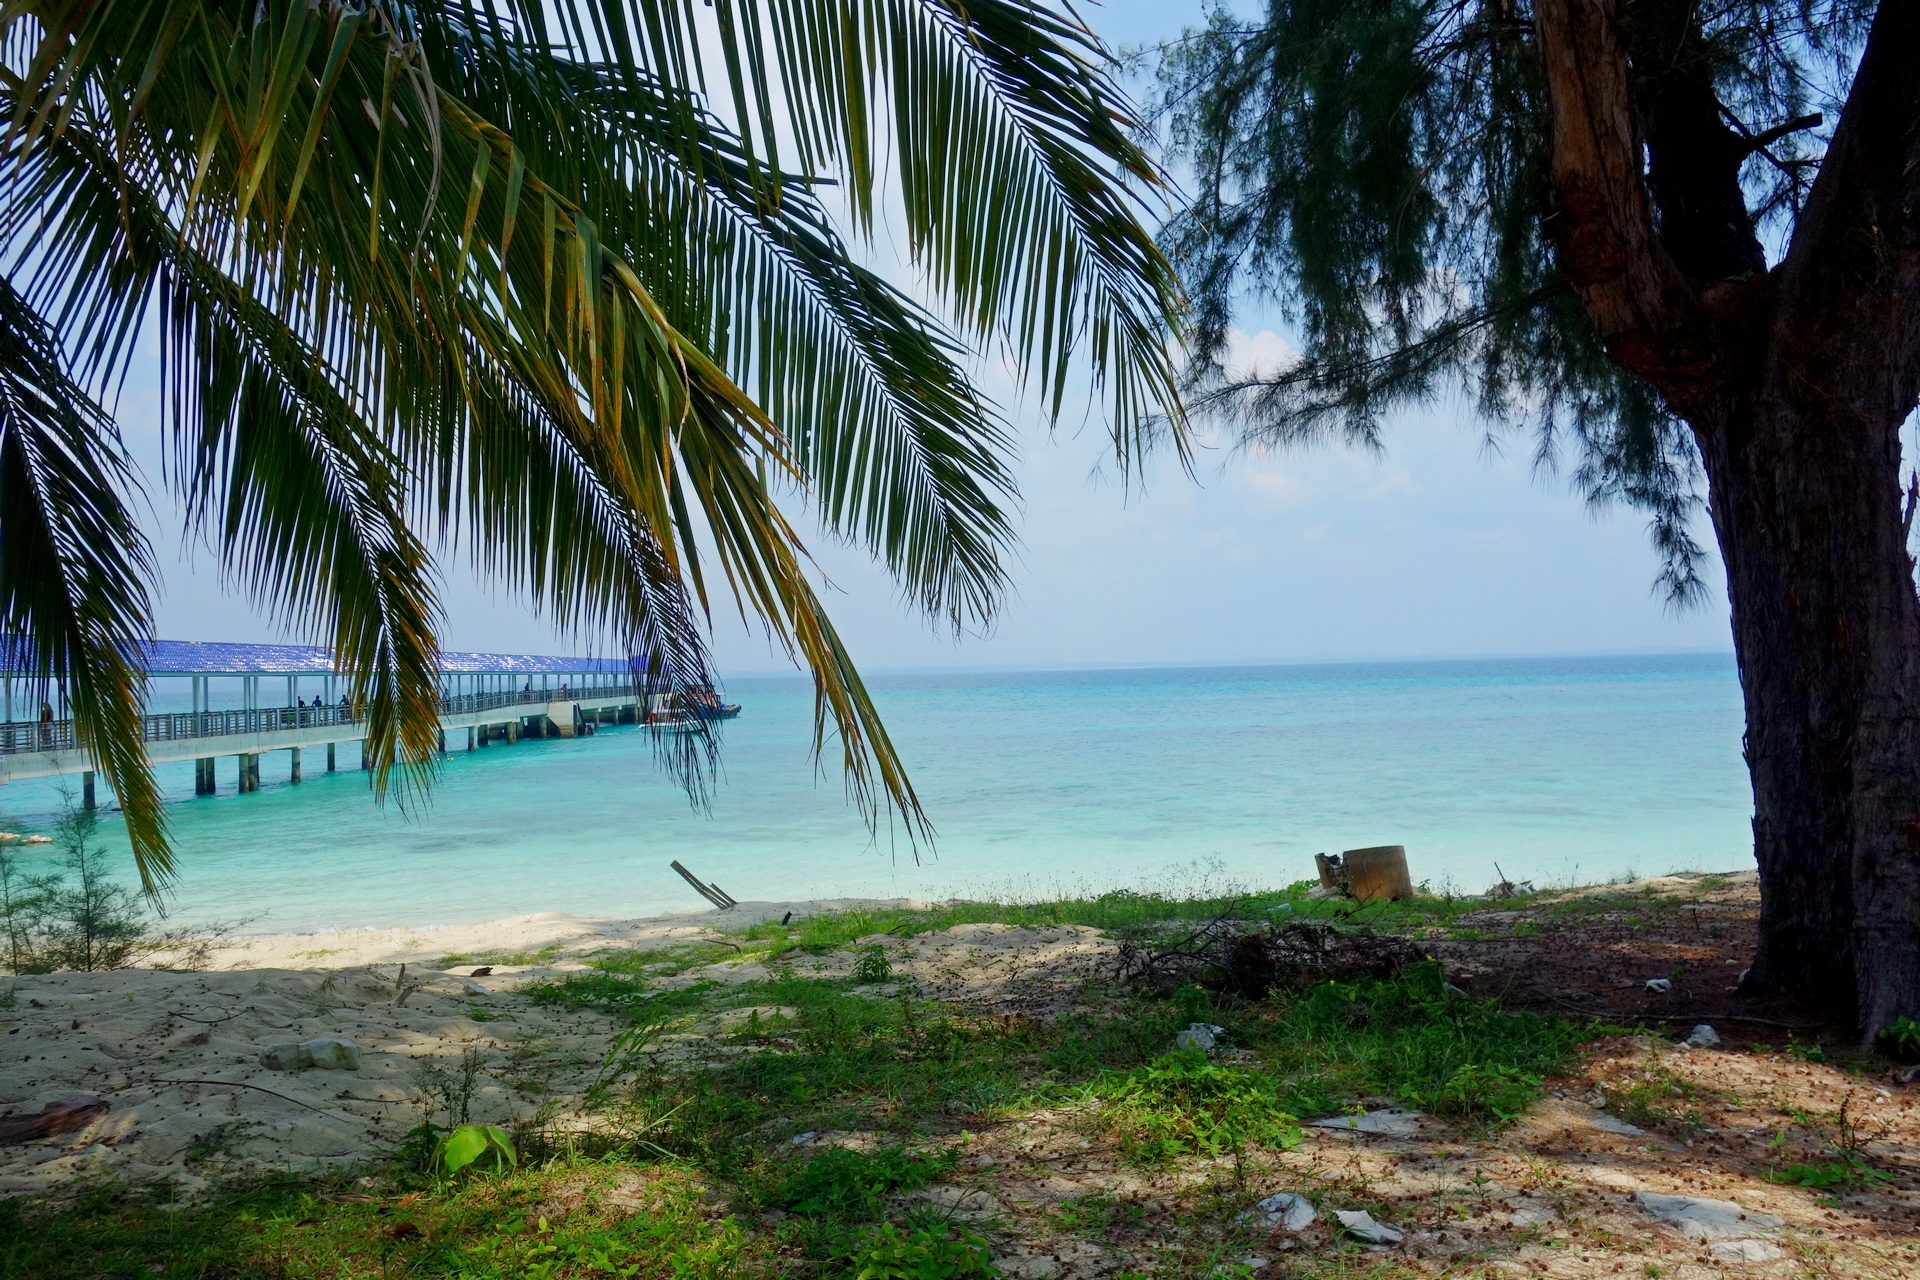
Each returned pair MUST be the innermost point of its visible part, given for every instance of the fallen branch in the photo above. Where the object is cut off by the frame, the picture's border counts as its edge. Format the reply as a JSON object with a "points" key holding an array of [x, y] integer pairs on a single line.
{"points": [[241, 1084], [68, 1111], [1226, 952]]}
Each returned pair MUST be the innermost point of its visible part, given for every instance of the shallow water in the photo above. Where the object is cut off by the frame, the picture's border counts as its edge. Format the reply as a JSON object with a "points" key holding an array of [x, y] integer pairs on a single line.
{"points": [[1557, 769]]}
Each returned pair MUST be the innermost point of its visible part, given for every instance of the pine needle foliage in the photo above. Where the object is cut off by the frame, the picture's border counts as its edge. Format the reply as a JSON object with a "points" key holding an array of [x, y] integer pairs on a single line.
{"points": [[559, 287], [1376, 168]]}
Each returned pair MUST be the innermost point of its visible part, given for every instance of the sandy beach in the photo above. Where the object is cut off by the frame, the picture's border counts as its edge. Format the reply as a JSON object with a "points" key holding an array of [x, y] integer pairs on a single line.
{"points": [[176, 1056], [564, 937]]}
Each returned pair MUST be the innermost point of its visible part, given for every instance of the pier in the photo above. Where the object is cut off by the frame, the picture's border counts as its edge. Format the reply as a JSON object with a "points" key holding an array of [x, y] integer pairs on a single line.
{"points": [[485, 698]]}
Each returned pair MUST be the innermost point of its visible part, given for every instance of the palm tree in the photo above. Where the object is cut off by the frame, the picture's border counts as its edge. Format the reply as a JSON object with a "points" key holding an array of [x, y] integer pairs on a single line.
{"points": [[555, 286]]}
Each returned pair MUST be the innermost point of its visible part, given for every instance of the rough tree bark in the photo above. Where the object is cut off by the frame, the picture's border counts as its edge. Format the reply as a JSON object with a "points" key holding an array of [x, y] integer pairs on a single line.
{"points": [[1795, 382]]}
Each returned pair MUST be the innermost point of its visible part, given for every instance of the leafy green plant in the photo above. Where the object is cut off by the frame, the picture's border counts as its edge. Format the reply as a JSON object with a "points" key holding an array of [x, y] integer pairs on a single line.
{"points": [[1489, 1093], [1830, 1174], [474, 1146], [1183, 1103], [1800, 1051], [1902, 1038], [1654, 1096], [448, 1088], [916, 1251], [76, 916], [82, 919], [1410, 1037], [872, 965], [840, 1181]]}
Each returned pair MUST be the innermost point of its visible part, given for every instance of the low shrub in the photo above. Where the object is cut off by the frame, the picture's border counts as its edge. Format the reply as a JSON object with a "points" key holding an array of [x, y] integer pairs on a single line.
{"points": [[1183, 1104], [842, 1182]]}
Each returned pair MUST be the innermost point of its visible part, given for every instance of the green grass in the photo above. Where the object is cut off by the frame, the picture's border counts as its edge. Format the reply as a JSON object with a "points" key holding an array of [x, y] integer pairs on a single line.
{"points": [[545, 955], [1184, 1104], [1411, 1039], [549, 1221], [723, 1191], [1122, 912]]}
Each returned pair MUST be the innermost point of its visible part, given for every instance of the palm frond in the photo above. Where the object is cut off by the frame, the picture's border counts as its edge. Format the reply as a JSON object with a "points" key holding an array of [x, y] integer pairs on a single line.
{"points": [[74, 566], [499, 268]]}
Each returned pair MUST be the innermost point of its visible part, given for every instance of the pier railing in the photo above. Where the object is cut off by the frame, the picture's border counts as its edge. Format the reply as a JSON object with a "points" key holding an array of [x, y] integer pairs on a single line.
{"points": [[21, 736]]}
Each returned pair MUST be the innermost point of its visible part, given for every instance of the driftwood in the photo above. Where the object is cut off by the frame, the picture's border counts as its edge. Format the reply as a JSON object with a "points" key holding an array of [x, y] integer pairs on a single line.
{"points": [[74, 1110], [711, 892], [1230, 954]]}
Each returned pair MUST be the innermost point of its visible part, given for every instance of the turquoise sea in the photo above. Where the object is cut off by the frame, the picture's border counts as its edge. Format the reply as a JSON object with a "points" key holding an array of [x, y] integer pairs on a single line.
{"points": [[1558, 769]]}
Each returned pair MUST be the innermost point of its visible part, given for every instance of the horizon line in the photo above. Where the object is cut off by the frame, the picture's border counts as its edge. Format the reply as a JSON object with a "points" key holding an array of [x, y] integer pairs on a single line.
{"points": [[1375, 659]]}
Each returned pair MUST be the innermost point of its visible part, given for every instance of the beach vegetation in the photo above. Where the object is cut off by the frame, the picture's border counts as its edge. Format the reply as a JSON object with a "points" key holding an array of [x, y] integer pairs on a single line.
{"points": [[545, 955], [659, 1225], [474, 1147], [842, 1180], [1125, 913], [1183, 1104], [773, 1122], [69, 912], [1655, 1096], [1671, 246], [427, 281], [871, 965], [921, 1250]]}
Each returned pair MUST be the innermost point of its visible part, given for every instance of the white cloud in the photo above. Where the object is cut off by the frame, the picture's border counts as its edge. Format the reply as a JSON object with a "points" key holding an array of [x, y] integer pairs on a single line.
{"points": [[1269, 490], [1261, 354], [1396, 481]]}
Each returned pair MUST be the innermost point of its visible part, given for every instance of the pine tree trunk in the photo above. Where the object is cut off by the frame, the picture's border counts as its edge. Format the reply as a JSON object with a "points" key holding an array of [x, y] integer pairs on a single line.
{"points": [[1807, 507]]}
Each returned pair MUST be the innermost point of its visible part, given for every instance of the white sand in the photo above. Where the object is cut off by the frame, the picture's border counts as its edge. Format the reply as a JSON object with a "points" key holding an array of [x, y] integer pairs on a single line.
{"points": [[575, 936], [176, 1055]]}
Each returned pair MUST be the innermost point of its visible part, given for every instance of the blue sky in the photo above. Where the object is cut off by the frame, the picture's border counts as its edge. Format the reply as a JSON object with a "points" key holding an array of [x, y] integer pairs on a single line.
{"points": [[1437, 547]]}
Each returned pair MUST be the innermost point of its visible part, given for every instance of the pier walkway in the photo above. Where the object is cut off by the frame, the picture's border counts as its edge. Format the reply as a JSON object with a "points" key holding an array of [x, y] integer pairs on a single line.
{"points": [[558, 697]]}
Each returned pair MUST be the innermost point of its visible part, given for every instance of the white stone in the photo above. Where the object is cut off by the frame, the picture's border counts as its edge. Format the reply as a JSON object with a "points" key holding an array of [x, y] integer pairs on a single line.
{"points": [[285, 1057], [1614, 1124], [331, 1053], [1706, 1219], [1393, 1122], [1746, 1250], [1200, 1035], [1701, 1037], [1360, 1224], [1659, 986], [1286, 1211], [1027, 1266], [476, 989]]}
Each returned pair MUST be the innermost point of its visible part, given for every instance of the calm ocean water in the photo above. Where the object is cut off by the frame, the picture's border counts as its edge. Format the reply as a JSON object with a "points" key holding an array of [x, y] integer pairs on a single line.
{"points": [[1558, 769]]}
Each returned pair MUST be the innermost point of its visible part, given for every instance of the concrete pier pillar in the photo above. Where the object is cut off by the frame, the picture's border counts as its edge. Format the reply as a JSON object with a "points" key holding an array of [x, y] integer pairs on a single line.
{"points": [[443, 742], [470, 737], [330, 747], [513, 731], [249, 773], [293, 770], [86, 790], [203, 776]]}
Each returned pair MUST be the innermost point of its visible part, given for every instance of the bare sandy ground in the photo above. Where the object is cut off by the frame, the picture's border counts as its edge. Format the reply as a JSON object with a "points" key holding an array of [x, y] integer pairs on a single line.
{"points": [[176, 1056], [571, 936]]}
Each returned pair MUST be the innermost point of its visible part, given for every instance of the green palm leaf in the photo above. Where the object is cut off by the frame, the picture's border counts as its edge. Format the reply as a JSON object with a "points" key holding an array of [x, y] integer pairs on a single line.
{"points": [[534, 284], [74, 567]]}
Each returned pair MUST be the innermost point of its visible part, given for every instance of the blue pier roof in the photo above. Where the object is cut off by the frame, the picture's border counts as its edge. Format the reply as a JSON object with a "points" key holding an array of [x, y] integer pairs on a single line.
{"points": [[220, 658]]}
